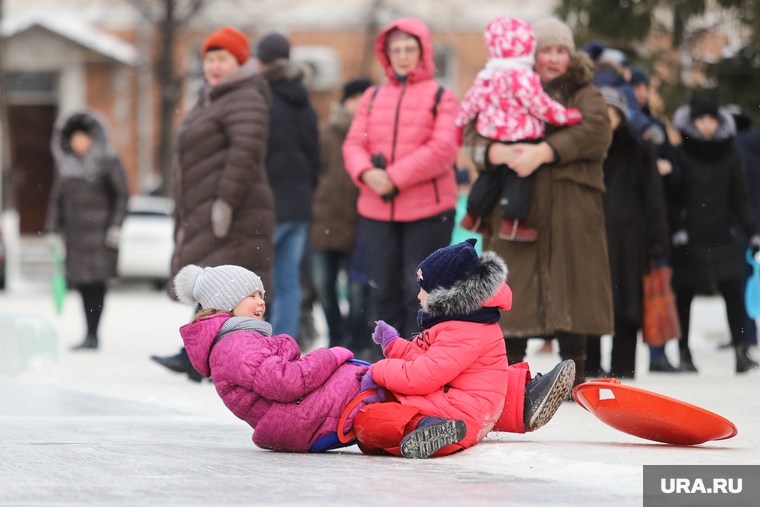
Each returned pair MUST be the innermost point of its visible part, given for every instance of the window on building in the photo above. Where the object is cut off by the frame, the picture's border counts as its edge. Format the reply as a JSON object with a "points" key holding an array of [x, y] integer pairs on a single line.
{"points": [[31, 86]]}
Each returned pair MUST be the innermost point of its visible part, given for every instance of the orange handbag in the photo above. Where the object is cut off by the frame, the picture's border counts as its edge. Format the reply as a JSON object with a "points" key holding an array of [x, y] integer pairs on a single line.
{"points": [[660, 315]]}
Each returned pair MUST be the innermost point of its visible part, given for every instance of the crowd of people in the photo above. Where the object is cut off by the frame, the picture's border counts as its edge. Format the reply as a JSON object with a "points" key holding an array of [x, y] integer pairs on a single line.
{"points": [[580, 194]]}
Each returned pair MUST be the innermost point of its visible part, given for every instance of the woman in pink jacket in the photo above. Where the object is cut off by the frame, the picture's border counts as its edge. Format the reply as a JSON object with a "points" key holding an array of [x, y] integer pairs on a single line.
{"points": [[293, 403], [450, 385], [400, 152]]}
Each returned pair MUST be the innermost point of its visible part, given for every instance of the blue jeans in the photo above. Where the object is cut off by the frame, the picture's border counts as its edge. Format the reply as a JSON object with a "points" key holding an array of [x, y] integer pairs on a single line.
{"points": [[289, 244]]}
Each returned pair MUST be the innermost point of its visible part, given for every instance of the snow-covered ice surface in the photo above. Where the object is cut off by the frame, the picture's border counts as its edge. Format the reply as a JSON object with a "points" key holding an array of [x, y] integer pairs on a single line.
{"points": [[113, 428]]}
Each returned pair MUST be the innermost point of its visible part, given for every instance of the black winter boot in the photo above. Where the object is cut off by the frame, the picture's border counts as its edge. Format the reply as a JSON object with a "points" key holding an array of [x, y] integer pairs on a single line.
{"points": [[90, 342], [743, 361], [687, 364], [661, 365], [545, 393], [181, 364], [431, 435]]}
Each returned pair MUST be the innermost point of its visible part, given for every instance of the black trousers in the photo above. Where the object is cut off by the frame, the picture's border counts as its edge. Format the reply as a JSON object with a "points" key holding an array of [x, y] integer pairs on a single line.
{"points": [[623, 356], [93, 296], [504, 186], [571, 346], [732, 293], [393, 250]]}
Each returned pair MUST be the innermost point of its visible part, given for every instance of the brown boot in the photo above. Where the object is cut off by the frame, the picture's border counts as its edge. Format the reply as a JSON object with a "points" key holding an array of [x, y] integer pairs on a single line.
{"points": [[475, 224], [514, 230]]}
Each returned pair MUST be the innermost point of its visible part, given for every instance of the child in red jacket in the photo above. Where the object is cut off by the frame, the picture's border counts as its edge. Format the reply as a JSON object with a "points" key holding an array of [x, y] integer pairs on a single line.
{"points": [[451, 385]]}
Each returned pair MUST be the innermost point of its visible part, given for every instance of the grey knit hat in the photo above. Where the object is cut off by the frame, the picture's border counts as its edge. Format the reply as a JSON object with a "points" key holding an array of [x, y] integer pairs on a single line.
{"points": [[553, 32], [222, 287], [615, 98]]}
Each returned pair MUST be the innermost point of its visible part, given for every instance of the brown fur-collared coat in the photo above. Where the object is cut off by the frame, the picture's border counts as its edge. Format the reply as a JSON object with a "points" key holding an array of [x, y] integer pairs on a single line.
{"points": [[561, 283]]}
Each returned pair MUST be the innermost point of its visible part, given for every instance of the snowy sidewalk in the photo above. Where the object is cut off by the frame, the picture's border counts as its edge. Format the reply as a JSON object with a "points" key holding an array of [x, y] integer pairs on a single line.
{"points": [[112, 428]]}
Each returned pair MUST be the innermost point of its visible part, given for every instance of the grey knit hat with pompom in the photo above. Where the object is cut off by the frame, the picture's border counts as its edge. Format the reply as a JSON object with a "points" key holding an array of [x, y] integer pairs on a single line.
{"points": [[221, 287]]}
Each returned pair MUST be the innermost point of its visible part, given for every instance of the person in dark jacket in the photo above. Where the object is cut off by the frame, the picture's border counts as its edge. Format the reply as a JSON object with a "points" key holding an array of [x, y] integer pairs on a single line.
{"points": [[637, 234], [334, 231], [88, 203], [224, 210], [292, 165], [713, 190], [657, 133]]}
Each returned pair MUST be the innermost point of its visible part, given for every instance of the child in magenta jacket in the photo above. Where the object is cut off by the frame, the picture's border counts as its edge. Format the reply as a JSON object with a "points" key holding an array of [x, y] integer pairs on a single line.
{"points": [[293, 403], [451, 385], [510, 106]]}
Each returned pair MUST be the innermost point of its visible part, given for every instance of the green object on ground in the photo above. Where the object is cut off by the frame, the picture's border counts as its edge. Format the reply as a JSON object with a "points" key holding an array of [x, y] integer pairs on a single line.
{"points": [[59, 279]]}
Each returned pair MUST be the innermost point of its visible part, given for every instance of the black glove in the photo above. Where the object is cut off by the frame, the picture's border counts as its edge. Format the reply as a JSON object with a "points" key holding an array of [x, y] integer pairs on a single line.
{"points": [[378, 160]]}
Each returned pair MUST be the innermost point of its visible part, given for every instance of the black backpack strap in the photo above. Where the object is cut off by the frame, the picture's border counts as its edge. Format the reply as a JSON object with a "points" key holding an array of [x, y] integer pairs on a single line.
{"points": [[372, 99], [438, 96]]}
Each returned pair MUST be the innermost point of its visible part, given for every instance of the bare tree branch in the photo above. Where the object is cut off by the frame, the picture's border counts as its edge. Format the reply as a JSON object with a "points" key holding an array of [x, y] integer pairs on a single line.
{"points": [[145, 8], [192, 10]]}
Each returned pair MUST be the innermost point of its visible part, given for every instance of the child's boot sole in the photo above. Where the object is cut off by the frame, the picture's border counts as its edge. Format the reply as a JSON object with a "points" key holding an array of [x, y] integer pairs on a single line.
{"points": [[560, 390], [425, 442]]}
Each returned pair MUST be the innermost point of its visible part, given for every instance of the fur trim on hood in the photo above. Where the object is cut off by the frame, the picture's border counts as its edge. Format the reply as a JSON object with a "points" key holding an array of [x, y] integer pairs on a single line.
{"points": [[468, 295], [579, 73], [69, 164], [683, 123], [284, 69]]}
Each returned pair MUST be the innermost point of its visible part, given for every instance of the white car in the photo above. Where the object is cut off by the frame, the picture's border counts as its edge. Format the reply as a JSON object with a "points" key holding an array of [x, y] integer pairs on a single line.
{"points": [[146, 244]]}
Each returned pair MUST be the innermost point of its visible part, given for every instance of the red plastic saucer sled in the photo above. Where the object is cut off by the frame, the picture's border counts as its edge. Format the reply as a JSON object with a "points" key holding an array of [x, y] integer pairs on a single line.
{"points": [[650, 415]]}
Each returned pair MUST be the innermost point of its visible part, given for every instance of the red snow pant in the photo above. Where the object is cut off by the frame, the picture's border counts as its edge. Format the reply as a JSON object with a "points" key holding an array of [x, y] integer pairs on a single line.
{"points": [[511, 420], [380, 427]]}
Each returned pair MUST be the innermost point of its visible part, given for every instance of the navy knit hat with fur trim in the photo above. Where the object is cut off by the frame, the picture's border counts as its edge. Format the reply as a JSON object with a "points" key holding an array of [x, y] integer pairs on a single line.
{"points": [[446, 266]]}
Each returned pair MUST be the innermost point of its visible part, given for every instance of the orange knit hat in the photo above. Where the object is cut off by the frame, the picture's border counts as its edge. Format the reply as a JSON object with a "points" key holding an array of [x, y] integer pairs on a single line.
{"points": [[232, 40]]}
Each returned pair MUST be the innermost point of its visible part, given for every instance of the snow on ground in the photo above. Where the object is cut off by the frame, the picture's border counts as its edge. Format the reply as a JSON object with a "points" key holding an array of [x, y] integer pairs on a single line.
{"points": [[114, 428]]}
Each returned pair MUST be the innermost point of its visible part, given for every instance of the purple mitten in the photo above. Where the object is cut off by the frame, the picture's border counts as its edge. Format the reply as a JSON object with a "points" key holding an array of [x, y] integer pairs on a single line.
{"points": [[341, 354], [384, 334], [368, 383]]}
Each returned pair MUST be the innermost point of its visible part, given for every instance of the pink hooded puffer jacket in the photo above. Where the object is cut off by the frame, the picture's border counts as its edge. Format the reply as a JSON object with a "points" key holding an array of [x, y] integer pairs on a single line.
{"points": [[420, 147], [290, 401], [455, 369]]}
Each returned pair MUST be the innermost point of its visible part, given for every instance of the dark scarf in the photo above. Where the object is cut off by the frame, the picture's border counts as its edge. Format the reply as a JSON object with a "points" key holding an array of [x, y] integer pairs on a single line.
{"points": [[485, 315], [709, 151]]}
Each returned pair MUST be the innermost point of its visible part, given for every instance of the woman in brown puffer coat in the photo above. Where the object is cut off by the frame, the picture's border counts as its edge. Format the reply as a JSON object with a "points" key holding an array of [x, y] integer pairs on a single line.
{"points": [[87, 205], [224, 207], [224, 210], [561, 282]]}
